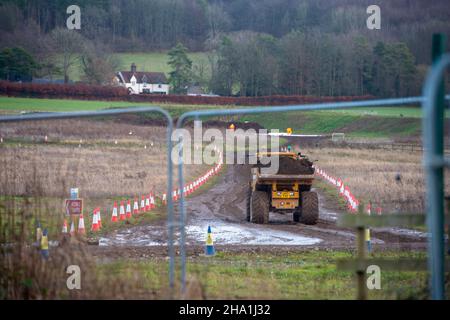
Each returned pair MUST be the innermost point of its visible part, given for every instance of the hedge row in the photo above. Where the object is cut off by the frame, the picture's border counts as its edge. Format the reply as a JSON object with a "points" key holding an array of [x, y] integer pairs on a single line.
{"points": [[88, 92], [70, 91]]}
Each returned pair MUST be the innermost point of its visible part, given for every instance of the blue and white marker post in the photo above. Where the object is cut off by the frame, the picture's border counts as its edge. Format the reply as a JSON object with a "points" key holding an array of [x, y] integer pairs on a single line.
{"points": [[44, 244], [38, 233], [367, 231], [209, 249]]}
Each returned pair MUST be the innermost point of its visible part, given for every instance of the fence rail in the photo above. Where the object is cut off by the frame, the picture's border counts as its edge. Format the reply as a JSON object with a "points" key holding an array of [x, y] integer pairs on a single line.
{"points": [[395, 146], [432, 103]]}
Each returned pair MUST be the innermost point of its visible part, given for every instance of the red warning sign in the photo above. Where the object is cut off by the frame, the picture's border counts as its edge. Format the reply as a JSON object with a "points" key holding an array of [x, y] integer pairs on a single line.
{"points": [[74, 207]]}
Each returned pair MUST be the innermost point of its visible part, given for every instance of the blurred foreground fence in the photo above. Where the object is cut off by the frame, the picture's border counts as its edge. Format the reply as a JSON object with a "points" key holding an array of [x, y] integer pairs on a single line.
{"points": [[433, 107], [433, 104]]}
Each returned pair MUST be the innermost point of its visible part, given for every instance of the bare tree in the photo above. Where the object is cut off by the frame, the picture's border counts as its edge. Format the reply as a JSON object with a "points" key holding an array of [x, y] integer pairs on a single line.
{"points": [[68, 46], [98, 64]]}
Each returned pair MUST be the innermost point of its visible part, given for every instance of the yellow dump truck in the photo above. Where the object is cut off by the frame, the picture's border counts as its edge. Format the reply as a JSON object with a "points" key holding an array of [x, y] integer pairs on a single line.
{"points": [[286, 191]]}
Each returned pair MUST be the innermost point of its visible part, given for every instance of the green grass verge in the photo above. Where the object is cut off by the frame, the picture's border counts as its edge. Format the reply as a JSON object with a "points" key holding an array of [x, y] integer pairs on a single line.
{"points": [[364, 123], [305, 275], [327, 122]]}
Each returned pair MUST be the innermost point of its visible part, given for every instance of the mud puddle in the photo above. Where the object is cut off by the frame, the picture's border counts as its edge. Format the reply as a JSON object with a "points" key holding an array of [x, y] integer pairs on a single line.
{"points": [[224, 233]]}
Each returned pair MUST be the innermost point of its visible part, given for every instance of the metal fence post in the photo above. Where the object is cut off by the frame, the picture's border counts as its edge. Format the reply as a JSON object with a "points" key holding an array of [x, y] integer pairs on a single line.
{"points": [[433, 133], [114, 112], [197, 114]]}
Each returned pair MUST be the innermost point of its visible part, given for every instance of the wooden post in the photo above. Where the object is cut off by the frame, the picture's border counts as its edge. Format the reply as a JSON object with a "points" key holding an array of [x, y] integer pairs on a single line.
{"points": [[447, 200], [362, 255]]}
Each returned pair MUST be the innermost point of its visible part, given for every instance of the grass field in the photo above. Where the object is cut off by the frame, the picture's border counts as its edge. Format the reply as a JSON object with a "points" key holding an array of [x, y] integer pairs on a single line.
{"points": [[152, 61], [106, 172], [362, 122], [305, 275]]}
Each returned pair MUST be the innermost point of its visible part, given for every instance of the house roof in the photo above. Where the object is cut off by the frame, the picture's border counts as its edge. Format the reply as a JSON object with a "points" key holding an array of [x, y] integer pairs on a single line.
{"points": [[195, 90], [141, 77]]}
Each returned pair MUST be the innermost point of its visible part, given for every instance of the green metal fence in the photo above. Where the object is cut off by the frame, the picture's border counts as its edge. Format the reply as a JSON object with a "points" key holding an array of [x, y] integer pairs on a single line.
{"points": [[434, 162]]}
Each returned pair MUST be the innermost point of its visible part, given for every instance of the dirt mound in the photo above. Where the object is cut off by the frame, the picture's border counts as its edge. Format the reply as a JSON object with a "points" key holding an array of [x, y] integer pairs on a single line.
{"points": [[288, 165]]}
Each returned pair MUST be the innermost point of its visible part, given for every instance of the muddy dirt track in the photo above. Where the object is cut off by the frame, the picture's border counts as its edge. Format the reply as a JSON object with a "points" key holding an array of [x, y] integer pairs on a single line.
{"points": [[223, 208]]}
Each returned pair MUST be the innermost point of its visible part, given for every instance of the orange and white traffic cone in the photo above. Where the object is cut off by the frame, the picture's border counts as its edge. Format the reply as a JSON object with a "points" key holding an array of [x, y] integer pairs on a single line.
{"points": [[64, 228], [128, 211], [174, 197], [369, 208], [72, 228], [136, 206], [114, 213], [122, 211], [379, 211], [152, 201], [81, 228], [143, 204], [95, 226], [164, 199], [147, 204], [99, 218]]}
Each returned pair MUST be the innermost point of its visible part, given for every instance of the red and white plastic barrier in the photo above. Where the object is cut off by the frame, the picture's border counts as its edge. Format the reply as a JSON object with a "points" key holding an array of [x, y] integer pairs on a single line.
{"points": [[344, 191], [191, 187], [128, 208]]}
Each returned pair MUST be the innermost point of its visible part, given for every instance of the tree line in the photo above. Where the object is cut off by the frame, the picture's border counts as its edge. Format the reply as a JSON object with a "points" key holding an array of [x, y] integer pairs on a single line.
{"points": [[255, 47], [137, 25], [313, 64]]}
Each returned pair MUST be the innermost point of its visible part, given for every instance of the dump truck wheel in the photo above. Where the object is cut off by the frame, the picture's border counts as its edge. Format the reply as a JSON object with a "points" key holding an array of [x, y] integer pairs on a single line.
{"points": [[248, 204], [259, 210], [310, 208], [297, 215]]}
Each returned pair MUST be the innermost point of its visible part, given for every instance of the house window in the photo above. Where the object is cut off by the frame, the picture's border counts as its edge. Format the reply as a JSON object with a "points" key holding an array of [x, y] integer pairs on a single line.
{"points": [[133, 82]]}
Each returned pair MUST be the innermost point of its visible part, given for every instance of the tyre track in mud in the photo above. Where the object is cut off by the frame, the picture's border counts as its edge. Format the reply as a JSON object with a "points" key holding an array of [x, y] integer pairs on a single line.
{"points": [[223, 208], [226, 202]]}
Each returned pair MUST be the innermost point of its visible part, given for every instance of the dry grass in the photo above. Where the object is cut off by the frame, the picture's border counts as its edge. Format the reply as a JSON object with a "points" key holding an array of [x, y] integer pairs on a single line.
{"points": [[26, 275], [100, 168], [87, 129], [371, 175], [35, 178]]}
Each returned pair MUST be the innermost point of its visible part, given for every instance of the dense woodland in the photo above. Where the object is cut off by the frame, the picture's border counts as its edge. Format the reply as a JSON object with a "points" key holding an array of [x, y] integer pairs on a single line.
{"points": [[255, 47]]}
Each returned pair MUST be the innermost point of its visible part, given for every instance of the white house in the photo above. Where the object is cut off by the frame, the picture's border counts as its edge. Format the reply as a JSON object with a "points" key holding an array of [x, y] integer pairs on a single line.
{"points": [[143, 82]]}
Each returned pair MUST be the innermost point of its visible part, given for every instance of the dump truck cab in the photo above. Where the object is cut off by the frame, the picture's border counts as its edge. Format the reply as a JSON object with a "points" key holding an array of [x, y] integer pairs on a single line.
{"points": [[286, 191]]}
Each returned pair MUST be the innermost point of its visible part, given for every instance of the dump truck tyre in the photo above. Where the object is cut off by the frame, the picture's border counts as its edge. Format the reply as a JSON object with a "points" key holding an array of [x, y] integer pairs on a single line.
{"points": [[310, 208], [297, 215], [259, 210], [248, 204]]}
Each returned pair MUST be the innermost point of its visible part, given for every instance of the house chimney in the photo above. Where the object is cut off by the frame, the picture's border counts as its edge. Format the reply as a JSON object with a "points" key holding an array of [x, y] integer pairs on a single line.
{"points": [[133, 67]]}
